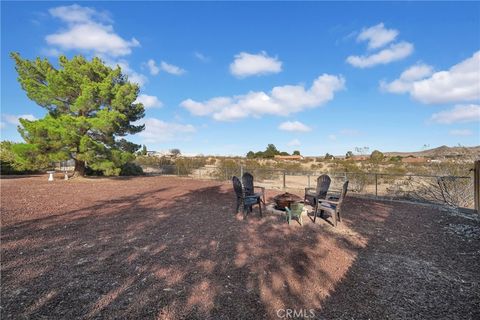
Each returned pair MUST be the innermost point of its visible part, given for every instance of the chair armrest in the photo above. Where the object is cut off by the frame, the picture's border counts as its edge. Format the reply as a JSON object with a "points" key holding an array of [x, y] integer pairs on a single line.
{"points": [[263, 188], [329, 201], [288, 210], [309, 191]]}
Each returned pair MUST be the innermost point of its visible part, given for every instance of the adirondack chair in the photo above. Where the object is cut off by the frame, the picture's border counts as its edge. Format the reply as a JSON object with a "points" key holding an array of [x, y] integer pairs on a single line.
{"points": [[333, 206], [248, 186], [247, 201], [295, 211], [314, 195]]}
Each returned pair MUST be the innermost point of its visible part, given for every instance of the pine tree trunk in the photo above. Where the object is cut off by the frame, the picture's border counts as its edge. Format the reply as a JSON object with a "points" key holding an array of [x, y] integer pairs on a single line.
{"points": [[79, 168]]}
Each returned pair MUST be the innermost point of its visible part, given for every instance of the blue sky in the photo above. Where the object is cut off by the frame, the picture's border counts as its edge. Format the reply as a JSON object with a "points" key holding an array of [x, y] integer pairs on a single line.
{"points": [[226, 78]]}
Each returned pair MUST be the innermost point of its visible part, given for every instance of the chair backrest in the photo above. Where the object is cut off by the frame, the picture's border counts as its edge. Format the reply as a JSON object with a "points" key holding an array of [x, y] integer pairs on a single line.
{"points": [[237, 186], [323, 183], [343, 194], [247, 180], [296, 208]]}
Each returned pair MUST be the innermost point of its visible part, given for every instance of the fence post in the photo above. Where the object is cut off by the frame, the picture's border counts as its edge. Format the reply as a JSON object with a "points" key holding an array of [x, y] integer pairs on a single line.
{"points": [[308, 180], [284, 184], [178, 170], [241, 170], [476, 185], [376, 185], [226, 174]]}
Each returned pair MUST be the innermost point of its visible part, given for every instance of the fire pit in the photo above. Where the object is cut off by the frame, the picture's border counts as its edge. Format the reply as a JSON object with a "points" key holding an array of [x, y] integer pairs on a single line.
{"points": [[284, 200]]}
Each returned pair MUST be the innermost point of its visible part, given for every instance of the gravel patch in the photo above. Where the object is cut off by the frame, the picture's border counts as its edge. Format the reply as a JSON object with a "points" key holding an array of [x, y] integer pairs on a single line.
{"points": [[172, 248]]}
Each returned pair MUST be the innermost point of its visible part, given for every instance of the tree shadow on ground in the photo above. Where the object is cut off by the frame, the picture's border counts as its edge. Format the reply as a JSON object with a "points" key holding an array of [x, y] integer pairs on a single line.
{"points": [[171, 254]]}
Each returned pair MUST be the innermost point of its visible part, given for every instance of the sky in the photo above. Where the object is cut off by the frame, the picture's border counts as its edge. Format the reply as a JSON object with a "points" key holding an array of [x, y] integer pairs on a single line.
{"points": [[224, 78]]}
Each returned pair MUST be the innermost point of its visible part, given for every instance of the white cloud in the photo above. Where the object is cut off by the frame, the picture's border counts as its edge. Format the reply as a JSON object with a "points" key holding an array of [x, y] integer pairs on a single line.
{"points": [[149, 101], [294, 143], [14, 119], [332, 137], [152, 67], [407, 79], [247, 64], [200, 56], [78, 14], [294, 126], [2, 124], [159, 131], [86, 31], [461, 132], [283, 100], [172, 69], [461, 83], [394, 52], [377, 36], [460, 113]]}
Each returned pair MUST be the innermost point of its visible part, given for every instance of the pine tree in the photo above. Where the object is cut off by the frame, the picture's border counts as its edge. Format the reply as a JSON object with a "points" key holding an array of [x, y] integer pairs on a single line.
{"points": [[89, 105]]}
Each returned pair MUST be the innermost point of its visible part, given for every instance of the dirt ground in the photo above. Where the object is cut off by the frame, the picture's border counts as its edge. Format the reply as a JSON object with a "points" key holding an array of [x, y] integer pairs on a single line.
{"points": [[172, 248]]}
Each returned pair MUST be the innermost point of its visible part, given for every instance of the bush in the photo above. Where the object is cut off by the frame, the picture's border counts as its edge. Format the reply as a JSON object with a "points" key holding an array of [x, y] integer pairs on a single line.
{"points": [[92, 172], [328, 156], [131, 169], [211, 161], [21, 158], [153, 161], [227, 168], [185, 166], [376, 156]]}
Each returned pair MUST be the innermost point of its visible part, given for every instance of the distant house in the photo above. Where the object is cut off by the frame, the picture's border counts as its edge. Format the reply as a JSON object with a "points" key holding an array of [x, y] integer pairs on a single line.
{"points": [[296, 157], [414, 160]]}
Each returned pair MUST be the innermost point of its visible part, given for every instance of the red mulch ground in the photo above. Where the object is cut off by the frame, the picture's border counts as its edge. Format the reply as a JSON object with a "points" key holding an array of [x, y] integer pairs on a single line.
{"points": [[172, 248]]}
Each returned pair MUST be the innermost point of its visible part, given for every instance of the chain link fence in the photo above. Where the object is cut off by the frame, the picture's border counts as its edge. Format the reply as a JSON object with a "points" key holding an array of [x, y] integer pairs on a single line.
{"points": [[456, 191]]}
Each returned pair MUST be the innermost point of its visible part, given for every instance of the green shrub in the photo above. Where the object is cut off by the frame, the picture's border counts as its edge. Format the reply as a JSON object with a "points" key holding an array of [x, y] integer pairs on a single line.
{"points": [[376, 156], [131, 169], [21, 158], [92, 172]]}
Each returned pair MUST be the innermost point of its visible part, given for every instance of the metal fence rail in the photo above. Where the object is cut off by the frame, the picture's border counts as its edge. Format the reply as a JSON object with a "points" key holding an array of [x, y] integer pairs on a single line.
{"points": [[451, 190]]}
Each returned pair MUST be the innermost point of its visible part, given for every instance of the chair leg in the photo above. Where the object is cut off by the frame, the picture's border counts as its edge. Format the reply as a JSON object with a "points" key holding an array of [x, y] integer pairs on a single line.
{"points": [[260, 207], [300, 219], [244, 210], [315, 213], [335, 218]]}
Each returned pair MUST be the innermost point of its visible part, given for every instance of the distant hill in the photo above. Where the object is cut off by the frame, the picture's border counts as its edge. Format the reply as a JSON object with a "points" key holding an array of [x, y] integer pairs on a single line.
{"points": [[441, 152]]}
